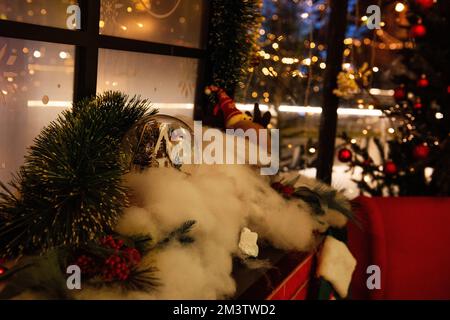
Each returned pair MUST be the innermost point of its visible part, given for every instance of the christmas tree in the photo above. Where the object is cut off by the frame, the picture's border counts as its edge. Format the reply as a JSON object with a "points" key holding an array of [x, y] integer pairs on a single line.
{"points": [[417, 159]]}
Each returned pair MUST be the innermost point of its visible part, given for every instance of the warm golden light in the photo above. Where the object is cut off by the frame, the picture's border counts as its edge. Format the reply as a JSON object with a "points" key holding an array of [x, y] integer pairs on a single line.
{"points": [[399, 7]]}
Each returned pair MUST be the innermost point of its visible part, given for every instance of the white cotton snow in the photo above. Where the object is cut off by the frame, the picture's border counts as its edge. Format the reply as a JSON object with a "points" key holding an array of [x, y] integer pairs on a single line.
{"points": [[223, 199]]}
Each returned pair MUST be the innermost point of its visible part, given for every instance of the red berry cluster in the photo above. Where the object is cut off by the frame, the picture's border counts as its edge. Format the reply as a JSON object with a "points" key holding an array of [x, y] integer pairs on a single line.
{"points": [[87, 265], [286, 191], [116, 267]]}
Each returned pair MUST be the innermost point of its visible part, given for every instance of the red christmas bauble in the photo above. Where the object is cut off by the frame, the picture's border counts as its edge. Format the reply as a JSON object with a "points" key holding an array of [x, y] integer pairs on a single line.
{"points": [[345, 155], [418, 104], [423, 82], [418, 31], [399, 93], [448, 89], [421, 152], [390, 168], [426, 4], [2, 269]]}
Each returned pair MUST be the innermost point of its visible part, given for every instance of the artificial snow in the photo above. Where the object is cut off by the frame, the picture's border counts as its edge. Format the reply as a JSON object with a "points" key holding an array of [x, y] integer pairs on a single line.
{"points": [[248, 243], [336, 265]]}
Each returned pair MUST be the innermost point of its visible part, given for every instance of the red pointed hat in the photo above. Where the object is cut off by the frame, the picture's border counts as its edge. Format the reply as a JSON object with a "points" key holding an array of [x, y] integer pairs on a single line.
{"points": [[225, 103]]}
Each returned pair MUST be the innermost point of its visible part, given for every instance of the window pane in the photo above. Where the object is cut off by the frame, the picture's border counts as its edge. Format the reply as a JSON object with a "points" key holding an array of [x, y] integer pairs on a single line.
{"points": [[177, 22], [361, 130], [287, 77], [36, 84], [51, 13], [169, 82]]}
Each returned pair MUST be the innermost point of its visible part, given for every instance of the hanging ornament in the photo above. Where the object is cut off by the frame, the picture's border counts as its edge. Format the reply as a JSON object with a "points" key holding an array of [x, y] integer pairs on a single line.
{"points": [[399, 93], [421, 152], [425, 4], [448, 89], [2, 269], [418, 30], [390, 168], [351, 82], [418, 103], [423, 81], [345, 155]]}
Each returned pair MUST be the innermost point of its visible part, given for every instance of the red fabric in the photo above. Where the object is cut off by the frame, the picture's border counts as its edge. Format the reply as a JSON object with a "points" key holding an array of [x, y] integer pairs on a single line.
{"points": [[409, 239], [295, 286]]}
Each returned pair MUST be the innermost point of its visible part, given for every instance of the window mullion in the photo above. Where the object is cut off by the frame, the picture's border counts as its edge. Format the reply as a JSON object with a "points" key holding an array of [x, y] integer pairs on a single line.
{"points": [[86, 56]]}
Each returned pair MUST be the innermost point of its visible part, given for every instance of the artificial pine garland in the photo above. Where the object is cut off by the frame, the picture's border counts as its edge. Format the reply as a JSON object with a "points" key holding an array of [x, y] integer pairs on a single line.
{"points": [[319, 198], [69, 190], [233, 39], [112, 261]]}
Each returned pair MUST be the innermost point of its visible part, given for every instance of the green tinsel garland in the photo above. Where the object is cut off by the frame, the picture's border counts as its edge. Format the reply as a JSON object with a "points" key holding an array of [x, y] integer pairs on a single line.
{"points": [[233, 39], [69, 190]]}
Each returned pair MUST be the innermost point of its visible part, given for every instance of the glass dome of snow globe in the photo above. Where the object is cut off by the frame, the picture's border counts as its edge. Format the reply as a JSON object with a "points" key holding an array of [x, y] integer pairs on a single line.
{"points": [[157, 141]]}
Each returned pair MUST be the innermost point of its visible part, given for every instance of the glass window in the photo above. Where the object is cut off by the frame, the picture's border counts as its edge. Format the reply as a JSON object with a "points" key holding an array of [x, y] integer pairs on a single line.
{"points": [[169, 82], [176, 22], [360, 130], [53, 13], [286, 77], [36, 84]]}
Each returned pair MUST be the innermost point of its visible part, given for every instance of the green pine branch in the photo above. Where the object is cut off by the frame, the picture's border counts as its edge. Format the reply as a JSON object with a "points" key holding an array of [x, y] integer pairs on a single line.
{"points": [[69, 190], [232, 24]]}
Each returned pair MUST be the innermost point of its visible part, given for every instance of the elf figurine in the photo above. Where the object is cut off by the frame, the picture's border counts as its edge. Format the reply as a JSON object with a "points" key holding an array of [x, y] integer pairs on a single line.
{"points": [[234, 118]]}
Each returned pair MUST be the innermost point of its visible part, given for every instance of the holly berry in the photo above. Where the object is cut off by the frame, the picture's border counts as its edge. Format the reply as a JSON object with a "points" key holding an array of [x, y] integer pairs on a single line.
{"points": [[115, 268], [87, 265], [111, 243], [288, 191], [418, 31], [345, 155], [390, 168], [132, 255], [421, 152]]}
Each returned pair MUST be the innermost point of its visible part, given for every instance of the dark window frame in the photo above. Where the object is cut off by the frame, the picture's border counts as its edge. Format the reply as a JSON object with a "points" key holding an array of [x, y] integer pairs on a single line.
{"points": [[88, 41]]}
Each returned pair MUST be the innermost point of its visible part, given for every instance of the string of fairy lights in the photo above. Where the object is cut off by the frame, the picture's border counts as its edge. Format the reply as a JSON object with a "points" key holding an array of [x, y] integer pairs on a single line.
{"points": [[280, 61], [417, 129]]}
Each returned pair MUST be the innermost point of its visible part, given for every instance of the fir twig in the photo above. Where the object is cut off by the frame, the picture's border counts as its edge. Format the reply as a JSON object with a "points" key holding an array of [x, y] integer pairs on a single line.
{"points": [[70, 186], [180, 234]]}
